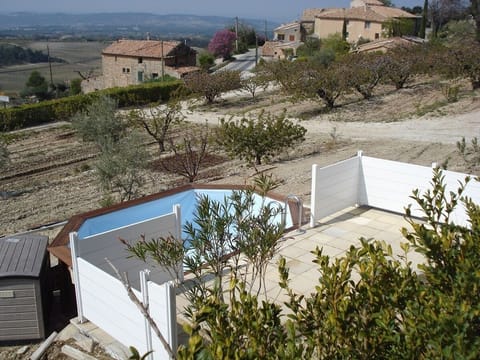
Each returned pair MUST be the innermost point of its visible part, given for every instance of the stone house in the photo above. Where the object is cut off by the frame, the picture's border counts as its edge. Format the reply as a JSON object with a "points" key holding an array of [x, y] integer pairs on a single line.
{"points": [[132, 62], [289, 32], [364, 19]]}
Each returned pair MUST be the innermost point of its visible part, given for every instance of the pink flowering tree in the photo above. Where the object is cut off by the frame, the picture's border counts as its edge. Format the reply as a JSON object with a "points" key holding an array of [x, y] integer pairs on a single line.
{"points": [[222, 43]]}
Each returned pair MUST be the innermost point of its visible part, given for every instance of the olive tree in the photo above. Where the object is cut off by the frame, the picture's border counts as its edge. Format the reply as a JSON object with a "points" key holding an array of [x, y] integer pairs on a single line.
{"points": [[120, 168], [260, 138], [100, 123]]}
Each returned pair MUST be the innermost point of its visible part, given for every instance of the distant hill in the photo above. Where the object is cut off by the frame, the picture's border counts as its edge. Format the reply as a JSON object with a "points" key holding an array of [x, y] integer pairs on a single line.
{"points": [[116, 25]]}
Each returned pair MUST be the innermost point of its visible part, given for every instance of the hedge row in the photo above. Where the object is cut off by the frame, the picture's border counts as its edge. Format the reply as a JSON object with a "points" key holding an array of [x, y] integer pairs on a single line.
{"points": [[64, 108]]}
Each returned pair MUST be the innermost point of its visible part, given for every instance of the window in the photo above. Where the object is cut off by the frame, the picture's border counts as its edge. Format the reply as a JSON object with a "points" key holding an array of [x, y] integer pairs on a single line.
{"points": [[281, 36], [377, 36], [154, 75], [367, 24], [291, 38], [126, 70], [140, 60]]}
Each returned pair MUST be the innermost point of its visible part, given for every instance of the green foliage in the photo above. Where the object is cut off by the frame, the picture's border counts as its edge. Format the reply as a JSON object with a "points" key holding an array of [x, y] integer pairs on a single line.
{"points": [[206, 60], [309, 48], [450, 91], [456, 31], [258, 139], [461, 60], [64, 108], [120, 167], [167, 252], [100, 123], [4, 153], [336, 43], [470, 154], [367, 304], [11, 54], [136, 355], [399, 27], [211, 86], [158, 121], [36, 85], [75, 86]]}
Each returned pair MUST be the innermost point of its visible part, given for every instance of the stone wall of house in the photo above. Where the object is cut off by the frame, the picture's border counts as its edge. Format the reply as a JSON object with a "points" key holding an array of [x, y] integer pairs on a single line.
{"points": [[92, 84]]}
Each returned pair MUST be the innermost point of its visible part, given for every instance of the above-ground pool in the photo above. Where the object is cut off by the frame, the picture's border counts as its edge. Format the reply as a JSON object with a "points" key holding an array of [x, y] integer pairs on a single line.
{"points": [[136, 211]]}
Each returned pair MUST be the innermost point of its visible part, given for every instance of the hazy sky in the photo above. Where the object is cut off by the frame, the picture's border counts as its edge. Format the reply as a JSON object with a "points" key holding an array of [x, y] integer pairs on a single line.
{"points": [[261, 9]]}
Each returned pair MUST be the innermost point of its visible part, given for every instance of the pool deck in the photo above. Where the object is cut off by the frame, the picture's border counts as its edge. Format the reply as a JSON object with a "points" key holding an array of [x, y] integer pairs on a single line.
{"points": [[335, 234]]}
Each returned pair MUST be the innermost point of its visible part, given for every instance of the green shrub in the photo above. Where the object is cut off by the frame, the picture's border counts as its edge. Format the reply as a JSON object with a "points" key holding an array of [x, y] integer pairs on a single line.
{"points": [[64, 108]]}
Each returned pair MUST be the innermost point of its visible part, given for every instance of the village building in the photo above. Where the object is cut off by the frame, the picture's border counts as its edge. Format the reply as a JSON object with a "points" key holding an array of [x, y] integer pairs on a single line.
{"points": [[132, 62], [364, 19]]}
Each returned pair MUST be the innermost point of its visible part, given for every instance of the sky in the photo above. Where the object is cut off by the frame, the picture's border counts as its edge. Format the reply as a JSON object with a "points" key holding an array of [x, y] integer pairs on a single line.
{"points": [[282, 10]]}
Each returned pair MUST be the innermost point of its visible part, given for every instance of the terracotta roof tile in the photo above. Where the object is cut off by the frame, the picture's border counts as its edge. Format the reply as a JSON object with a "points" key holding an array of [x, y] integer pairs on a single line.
{"points": [[310, 14], [141, 48], [367, 13]]}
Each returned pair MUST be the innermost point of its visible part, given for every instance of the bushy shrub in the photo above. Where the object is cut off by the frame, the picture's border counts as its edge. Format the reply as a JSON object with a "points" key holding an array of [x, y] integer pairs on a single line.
{"points": [[64, 108]]}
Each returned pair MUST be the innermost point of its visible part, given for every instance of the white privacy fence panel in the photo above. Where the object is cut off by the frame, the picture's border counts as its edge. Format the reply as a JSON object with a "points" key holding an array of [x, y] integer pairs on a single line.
{"points": [[164, 311], [105, 303], [389, 184], [95, 249], [382, 184], [334, 188], [472, 190]]}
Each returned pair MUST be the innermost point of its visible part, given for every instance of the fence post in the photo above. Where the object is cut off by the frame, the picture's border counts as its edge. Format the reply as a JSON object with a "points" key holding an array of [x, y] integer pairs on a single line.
{"points": [[76, 274], [145, 301], [313, 196], [178, 233]]}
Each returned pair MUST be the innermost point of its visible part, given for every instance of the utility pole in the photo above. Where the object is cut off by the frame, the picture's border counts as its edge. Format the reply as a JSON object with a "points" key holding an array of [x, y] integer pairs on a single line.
{"points": [[236, 34], [256, 49], [266, 37], [50, 68], [163, 62]]}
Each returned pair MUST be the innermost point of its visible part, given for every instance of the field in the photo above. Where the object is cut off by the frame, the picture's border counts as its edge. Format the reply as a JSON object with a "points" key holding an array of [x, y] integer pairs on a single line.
{"points": [[51, 176], [79, 56]]}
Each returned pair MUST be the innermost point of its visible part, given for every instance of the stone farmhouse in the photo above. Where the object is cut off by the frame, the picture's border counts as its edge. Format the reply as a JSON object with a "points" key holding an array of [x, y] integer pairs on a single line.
{"points": [[132, 62]]}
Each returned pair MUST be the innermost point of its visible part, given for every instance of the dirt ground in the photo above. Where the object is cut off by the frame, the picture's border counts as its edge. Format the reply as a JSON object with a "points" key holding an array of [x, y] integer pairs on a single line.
{"points": [[51, 176]]}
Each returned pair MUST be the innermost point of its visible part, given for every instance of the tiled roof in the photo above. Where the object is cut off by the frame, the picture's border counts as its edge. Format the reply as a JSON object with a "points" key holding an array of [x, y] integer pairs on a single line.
{"points": [[310, 14], [373, 2], [391, 12], [389, 43], [287, 26], [366, 13], [141, 48]]}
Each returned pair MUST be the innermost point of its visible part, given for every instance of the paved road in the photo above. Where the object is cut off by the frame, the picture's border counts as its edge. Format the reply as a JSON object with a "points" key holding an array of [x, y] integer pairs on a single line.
{"points": [[243, 62]]}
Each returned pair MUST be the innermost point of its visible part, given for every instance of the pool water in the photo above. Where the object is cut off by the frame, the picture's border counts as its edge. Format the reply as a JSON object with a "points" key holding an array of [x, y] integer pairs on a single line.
{"points": [[187, 200]]}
